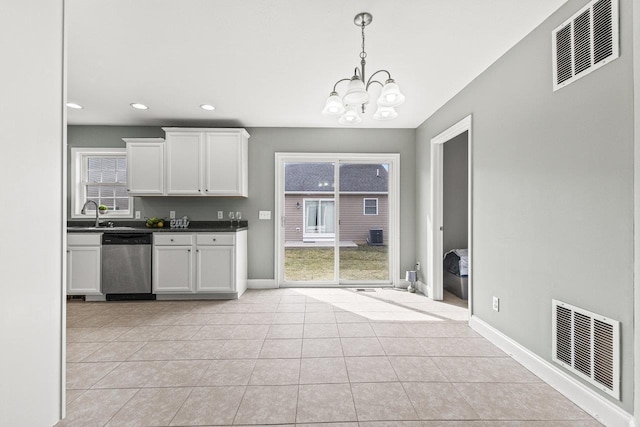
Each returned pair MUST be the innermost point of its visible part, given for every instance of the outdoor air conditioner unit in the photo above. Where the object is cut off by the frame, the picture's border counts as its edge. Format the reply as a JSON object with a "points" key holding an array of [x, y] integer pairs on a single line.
{"points": [[375, 237]]}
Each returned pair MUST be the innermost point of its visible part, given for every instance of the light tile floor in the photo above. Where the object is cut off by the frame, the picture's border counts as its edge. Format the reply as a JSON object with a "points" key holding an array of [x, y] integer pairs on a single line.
{"points": [[298, 356]]}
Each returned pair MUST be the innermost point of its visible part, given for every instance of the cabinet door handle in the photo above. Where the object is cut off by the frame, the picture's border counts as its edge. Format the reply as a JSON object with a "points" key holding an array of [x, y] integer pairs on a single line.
{"points": [[188, 250], [197, 250], [214, 240], [172, 240]]}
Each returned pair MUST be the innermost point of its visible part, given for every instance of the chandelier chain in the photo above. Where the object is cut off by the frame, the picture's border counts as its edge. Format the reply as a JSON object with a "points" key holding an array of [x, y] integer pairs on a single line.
{"points": [[363, 54]]}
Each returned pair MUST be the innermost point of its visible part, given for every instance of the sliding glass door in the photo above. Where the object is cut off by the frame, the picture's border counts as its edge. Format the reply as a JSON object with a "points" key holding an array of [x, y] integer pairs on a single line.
{"points": [[319, 220], [336, 219], [364, 222], [309, 223]]}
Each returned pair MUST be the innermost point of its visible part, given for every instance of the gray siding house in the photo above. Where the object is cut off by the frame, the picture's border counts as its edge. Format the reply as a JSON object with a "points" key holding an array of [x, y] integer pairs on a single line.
{"points": [[310, 207]]}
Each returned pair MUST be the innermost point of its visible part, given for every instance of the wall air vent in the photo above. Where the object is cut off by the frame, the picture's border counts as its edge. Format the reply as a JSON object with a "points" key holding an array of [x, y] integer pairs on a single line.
{"points": [[585, 42], [588, 345]]}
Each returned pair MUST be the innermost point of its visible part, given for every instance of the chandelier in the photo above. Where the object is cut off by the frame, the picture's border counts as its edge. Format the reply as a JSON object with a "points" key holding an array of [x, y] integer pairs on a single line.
{"points": [[357, 94]]}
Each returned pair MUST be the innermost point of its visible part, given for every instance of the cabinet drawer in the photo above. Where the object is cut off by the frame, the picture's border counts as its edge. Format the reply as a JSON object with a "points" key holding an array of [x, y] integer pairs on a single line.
{"points": [[216, 239], [89, 239], [172, 239]]}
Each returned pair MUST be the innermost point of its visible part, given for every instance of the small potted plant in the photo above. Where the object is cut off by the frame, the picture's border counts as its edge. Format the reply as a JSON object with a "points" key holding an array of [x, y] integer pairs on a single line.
{"points": [[103, 209]]}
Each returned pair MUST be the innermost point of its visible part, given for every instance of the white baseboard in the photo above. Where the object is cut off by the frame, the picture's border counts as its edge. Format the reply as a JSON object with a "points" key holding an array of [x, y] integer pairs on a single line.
{"points": [[590, 401], [424, 288], [262, 284]]}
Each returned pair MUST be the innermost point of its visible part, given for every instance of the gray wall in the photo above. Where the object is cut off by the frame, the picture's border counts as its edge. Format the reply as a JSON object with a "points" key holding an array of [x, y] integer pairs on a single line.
{"points": [[455, 185], [263, 145], [552, 190], [32, 248]]}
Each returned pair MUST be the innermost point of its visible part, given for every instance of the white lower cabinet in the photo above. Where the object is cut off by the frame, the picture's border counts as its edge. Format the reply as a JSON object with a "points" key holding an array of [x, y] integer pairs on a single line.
{"points": [[219, 265], [84, 264], [172, 269]]}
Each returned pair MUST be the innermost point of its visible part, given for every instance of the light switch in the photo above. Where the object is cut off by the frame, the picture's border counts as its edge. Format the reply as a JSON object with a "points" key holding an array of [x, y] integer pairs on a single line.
{"points": [[137, 214], [264, 215]]}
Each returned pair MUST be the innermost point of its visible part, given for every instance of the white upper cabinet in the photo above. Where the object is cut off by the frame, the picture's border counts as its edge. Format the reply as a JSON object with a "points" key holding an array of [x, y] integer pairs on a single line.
{"points": [[226, 163], [205, 161], [145, 166], [184, 163]]}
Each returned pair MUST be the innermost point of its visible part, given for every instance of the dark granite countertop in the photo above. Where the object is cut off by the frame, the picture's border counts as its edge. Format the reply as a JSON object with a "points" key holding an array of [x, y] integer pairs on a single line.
{"points": [[140, 227]]}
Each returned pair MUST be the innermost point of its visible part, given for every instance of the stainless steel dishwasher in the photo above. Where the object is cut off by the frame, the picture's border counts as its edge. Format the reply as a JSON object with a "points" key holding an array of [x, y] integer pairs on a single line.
{"points": [[126, 266]]}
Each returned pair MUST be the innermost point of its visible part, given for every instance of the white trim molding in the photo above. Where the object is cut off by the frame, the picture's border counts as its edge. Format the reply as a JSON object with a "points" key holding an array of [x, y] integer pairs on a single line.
{"points": [[434, 285], [393, 160], [587, 399], [78, 156], [262, 284]]}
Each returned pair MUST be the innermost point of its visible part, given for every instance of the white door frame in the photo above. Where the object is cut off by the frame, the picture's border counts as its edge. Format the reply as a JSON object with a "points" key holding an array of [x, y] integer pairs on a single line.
{"points": [[434, 287], [393, 159]]}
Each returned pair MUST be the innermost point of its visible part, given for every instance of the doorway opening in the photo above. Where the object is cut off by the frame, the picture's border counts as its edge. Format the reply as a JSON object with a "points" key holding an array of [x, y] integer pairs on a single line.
{"points": [[451, 225], [338, 219]]}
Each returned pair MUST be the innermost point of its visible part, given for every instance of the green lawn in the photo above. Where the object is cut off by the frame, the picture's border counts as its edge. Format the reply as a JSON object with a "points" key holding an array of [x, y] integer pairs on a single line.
{"points": [[316, 264]]}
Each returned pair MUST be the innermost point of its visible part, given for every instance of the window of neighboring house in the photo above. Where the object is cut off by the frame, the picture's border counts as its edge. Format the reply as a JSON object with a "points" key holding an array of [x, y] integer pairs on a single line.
{"points": [[100, 174], [371, 206]]}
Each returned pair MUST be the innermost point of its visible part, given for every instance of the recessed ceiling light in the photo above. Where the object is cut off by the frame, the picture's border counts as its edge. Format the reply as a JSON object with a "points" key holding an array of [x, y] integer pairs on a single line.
{"points": [[74, 105], [139, 106], [207, 107]]}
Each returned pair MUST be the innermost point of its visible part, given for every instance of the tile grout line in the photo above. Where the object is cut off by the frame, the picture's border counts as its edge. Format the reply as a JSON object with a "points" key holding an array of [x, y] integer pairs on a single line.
{"points": [[123, 405]]}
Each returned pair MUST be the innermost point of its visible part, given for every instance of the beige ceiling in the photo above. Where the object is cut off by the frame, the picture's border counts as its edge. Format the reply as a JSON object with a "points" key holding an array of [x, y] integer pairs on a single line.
{"points": [[272, 63]]}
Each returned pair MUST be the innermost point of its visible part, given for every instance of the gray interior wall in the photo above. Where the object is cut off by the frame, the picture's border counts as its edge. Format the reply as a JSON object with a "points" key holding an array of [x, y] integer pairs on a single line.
{"points": [[263, 145], [32, 248], [455, 172], [552, 190]]}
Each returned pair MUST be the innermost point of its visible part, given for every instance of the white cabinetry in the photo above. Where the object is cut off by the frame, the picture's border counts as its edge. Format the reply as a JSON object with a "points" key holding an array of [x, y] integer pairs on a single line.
{"points": [[83, 263], [226, 163], [184, 164], [215, 262], [204, 161], [145, 166], [219, 265], [172, 263]]}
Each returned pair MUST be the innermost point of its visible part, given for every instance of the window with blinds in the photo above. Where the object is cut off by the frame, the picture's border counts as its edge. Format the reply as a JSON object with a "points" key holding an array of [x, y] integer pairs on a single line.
{"points": [[106, 182], [100, 175]]}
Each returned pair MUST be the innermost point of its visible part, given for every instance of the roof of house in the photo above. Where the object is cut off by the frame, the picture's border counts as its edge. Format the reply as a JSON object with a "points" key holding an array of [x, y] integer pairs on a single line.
{"points": [[310, 177]]}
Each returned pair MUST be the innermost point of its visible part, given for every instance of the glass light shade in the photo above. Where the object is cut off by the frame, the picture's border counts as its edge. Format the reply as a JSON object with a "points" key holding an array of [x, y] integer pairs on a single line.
{"points": [[350, 117], [334, 106], [385, 113], [390, 95], [356, 93]]}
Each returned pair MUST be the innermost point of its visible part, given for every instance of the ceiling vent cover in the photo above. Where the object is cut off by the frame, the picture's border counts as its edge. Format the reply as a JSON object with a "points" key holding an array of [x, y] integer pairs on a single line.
{"points": [[588, 345], [585, 42]]}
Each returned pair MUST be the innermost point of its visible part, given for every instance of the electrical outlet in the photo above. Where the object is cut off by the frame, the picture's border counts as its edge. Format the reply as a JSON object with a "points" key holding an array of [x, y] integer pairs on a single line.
{"points": [[496, 303], [137, 214], [220, 214], [172, 214], [264, 215]]}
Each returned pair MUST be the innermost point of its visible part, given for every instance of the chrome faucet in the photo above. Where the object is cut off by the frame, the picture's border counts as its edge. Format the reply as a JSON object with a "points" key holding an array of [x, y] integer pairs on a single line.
{"points": [[83, 211]]}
